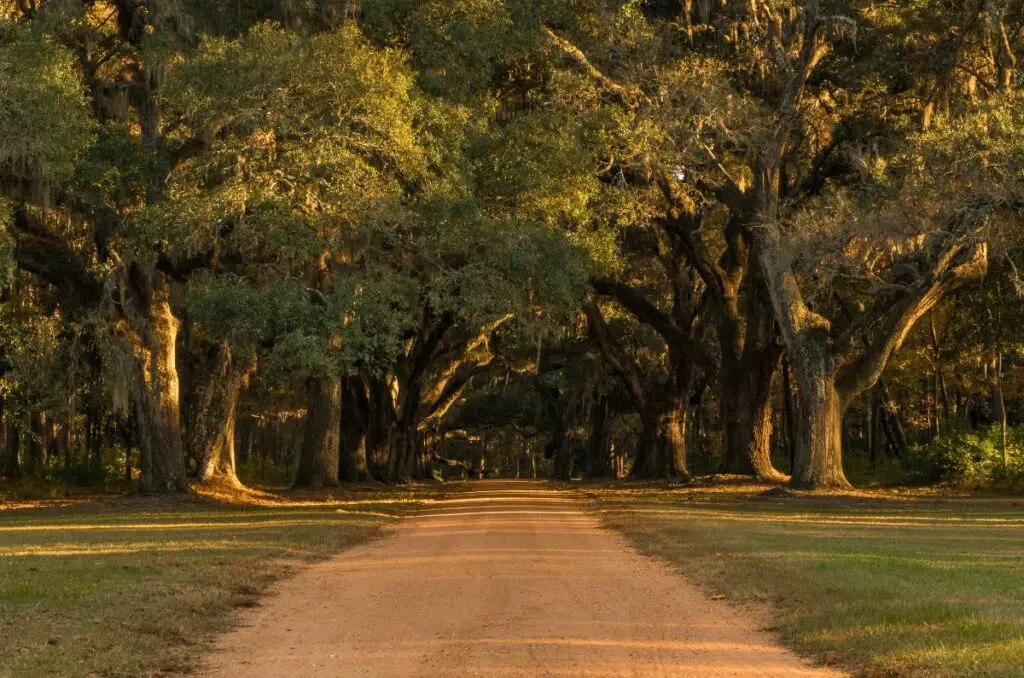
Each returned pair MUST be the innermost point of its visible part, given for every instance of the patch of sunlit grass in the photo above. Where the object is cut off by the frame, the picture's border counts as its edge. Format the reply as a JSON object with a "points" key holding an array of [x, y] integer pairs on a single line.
{"points": [[135, 586], [915, 584]]}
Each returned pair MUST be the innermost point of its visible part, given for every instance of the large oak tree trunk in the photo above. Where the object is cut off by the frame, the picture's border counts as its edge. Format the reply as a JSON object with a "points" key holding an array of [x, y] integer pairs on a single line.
{"points": [[662, 447], [561, 457], [403, 453], [746, 413], [214, 413], [405, 437], [354, 424], [819, 430], [157, 397], [318, 456], [379, 428]]}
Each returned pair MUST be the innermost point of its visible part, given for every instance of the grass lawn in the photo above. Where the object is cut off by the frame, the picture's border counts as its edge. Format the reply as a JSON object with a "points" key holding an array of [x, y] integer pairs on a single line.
{"points": [[881, 584], [138, 587]]}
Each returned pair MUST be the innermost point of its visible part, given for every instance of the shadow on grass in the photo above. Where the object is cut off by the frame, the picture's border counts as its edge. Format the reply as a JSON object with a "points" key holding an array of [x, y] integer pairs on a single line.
{"points": [[884, 584], [130, 586]]}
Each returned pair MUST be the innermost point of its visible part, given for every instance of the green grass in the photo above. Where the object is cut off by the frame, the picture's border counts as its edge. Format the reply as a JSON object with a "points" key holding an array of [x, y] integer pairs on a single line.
{"points": [[134, 587], [881, 584]]}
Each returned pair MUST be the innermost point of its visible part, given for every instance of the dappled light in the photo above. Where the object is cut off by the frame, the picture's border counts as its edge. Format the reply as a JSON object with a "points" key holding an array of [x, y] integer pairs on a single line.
{"points": [[650, 337]]}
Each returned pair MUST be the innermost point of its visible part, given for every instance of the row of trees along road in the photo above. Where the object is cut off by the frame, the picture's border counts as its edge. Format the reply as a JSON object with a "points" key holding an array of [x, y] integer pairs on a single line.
{"points": [[389, 220]]}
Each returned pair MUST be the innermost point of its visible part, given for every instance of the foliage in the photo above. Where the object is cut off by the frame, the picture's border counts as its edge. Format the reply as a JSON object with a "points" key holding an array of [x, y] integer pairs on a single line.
{"points": [[972, 459], [44, 120]]}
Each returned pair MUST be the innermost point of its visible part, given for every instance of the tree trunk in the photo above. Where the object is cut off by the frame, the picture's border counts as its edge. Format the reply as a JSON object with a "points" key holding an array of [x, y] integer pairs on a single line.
{"points": [[318, 456], [662, 446], [354, 420], [891, 424], [379, 428], [64, 440], [746, 411], [36, 457], [157, 397], [128, 442], [561, 460], [94, 439], [403, 453], [999, 406], [599, 458], [870, 435], [12, 446], [244, 440], [939, 419], [673, 436], [405, 439], [789, 413], [819, 436], [820, 407], [214, 413]]}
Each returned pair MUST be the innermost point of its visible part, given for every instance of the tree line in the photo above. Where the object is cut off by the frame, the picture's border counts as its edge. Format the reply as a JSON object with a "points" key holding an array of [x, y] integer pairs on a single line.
{"points": [[357, 237]]}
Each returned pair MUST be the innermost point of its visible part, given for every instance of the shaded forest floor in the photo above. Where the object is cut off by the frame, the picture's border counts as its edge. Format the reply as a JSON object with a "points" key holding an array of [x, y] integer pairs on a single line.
{"points": [[883, 583], [131, 586]]}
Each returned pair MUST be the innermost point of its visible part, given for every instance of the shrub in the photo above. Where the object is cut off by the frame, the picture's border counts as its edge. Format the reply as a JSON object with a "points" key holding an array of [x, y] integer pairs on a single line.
{"points": [[970, 458]]}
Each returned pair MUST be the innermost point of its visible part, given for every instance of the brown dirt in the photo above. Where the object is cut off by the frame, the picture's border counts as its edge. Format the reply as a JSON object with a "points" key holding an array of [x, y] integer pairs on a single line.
{"points": [[511, 578]]}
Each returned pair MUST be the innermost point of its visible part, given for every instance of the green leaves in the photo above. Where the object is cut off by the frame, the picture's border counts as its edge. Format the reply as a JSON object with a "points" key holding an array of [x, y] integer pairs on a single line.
{"points": [[44, 117], [305, 138]]}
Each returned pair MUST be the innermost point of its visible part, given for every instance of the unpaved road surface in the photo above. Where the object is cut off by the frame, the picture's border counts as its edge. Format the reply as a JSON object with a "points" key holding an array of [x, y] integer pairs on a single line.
{"points": [[509, 579]]}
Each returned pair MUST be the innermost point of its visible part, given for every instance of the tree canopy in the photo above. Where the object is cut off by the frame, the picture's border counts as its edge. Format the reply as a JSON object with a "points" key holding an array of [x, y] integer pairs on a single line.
{"points": [[695, 237]]}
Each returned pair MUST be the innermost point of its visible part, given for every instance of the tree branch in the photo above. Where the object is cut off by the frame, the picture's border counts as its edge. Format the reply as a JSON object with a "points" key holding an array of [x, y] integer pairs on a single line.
{"points": [[624, 366], [628, 96], [44, 254]]}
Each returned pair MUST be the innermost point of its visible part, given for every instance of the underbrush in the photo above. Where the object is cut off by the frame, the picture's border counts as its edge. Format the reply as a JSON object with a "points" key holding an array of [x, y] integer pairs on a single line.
{"points": [[80, 478], [971, 459]]}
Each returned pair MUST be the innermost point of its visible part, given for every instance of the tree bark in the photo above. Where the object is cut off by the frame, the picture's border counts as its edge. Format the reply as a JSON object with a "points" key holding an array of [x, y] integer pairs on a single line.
{"points": [[661, 451], [662, 447], [599, 457], [157, 396], [93, 439], [11, 469], [35, 457], [318, 456], [746, 412], [128, 442], [64, 440], [819, 459], [214, 414], [891, 424], [354, 424], [789, 414], [403, 453], [379, 426], [561, 459]]}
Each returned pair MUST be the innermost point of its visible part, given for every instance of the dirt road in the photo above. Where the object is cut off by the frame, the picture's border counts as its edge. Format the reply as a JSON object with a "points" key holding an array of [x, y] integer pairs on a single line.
{"points": [[510, 579]]}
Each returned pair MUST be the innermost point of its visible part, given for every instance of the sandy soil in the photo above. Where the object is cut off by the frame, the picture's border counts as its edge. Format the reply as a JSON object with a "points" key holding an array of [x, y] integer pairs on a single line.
{"points": [[510, 579]]}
